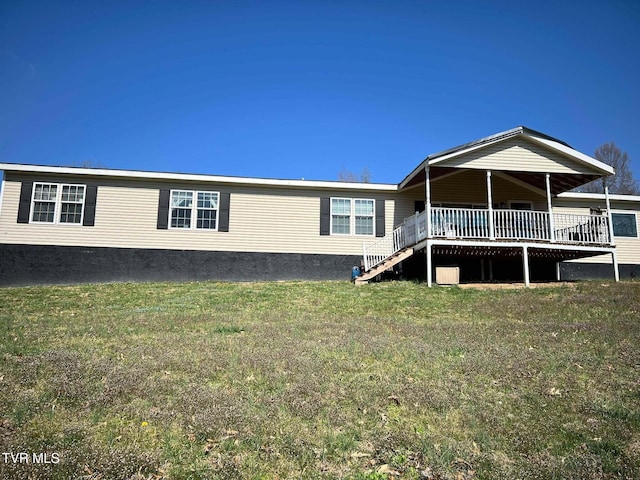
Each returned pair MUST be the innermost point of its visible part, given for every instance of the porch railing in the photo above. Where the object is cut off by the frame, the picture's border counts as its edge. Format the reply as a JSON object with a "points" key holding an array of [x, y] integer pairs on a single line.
{"points": [[465, 223], [589, 229]]}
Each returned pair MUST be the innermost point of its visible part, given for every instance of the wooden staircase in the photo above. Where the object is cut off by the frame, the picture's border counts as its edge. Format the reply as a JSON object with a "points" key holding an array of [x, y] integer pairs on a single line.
{"points": [[394, 259]]}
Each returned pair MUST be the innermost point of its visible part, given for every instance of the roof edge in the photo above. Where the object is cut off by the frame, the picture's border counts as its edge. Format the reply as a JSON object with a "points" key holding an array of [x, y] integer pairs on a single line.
{"points": [[195, 177], [599, 196]]}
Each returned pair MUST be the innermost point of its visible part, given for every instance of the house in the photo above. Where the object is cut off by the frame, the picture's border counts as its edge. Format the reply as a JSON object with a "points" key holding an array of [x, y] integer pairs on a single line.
{"points": [[499, 208]]}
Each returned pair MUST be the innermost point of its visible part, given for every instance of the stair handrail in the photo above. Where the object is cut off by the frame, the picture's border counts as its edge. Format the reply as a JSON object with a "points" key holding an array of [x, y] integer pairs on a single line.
{"points": [[377, 252]]}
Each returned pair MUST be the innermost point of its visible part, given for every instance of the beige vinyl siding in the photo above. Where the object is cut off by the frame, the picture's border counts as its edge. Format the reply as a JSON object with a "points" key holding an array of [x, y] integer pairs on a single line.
{"points": [[517, 154], [262, 219], [628, 249]]}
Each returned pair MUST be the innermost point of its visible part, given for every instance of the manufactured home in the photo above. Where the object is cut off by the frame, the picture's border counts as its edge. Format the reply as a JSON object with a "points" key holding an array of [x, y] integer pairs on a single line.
{"points": [[497, 209]]}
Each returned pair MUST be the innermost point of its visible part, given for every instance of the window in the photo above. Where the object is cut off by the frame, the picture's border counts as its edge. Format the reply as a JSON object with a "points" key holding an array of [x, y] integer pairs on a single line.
{"points": [[71, 203], [624, 225], [352, 215], [364, 217], [57, 203], [201, 214]]}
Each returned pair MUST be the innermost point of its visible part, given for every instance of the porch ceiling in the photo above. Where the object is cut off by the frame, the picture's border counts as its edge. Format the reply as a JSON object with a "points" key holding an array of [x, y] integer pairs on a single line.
{"points": [[560, 182]]}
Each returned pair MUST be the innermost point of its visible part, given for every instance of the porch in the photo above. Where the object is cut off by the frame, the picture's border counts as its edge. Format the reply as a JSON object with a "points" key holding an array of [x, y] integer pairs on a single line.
{"points": [[486, 231], [501, 190]]}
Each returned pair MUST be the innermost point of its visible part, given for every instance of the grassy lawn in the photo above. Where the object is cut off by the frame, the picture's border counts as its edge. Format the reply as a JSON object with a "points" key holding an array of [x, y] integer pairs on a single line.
{"points": [[320, 380]]}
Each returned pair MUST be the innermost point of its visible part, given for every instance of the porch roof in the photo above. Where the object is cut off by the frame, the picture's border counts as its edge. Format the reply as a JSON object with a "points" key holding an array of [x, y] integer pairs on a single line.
{"points": [[591, 169]]}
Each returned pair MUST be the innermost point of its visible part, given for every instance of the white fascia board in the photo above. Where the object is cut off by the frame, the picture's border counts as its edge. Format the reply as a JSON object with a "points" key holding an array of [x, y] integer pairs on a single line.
{"points": [[575, 154], [599, 196], [191, 177]]}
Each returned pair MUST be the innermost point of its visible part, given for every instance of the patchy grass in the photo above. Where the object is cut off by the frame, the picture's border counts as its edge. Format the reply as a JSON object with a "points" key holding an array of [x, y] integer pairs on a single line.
{"points": [[321, 380]]}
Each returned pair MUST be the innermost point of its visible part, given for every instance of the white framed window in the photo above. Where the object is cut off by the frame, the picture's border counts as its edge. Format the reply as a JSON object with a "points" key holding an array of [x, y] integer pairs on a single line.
{"points": [[189, 209], [364, 216], [352, 216], [57, 203]]}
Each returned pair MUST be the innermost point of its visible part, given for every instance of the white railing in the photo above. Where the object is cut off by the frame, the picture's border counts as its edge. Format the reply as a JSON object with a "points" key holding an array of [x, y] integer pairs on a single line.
{"points": [[460, 222], [466, 223], [589, 229], [521, 225], [379, 251]]}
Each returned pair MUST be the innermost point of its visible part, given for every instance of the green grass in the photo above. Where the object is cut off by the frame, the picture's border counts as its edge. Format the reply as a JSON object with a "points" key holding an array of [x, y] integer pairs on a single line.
{"points": [[321, 380]]}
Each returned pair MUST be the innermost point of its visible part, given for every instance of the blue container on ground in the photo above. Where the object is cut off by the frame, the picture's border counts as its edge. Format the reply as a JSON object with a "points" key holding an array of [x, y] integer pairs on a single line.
{"points": [[355, 273]]}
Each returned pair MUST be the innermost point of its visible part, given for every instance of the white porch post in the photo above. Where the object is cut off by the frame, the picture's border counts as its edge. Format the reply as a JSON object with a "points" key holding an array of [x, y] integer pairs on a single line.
{"points": [[552, 230], [609, 217], [492, 234], [558, 271], [427, 198], [525, 264], [429, 262], [614, 255]]}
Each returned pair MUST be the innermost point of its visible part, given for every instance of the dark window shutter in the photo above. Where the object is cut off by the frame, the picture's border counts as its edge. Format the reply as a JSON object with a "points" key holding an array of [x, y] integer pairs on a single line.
{"points": [[379, 218], [325, 216], [24, 208], [223, 220], [163, 209], [89, 217]]}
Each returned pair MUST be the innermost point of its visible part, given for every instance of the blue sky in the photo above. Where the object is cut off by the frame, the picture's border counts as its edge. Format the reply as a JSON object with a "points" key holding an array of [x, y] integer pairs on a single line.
{"points": [[304, 89]]}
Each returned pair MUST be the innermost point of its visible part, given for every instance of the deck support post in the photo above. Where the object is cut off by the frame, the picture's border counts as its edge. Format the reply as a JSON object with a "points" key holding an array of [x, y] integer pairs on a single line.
{"points": [[525, 264], [427, 198], [492, 234], [558, 271], [616, 270], [429, 262], [552, 230]]}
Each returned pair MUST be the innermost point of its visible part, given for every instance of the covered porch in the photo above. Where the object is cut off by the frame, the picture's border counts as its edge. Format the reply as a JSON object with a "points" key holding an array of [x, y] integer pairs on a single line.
{"points": [[497, 194]]}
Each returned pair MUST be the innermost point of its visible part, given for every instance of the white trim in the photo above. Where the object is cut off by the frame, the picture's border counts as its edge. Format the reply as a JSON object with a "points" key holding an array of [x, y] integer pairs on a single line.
{"points": [[192, 177], [193, 224], [598, 196], [57, 207]]}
